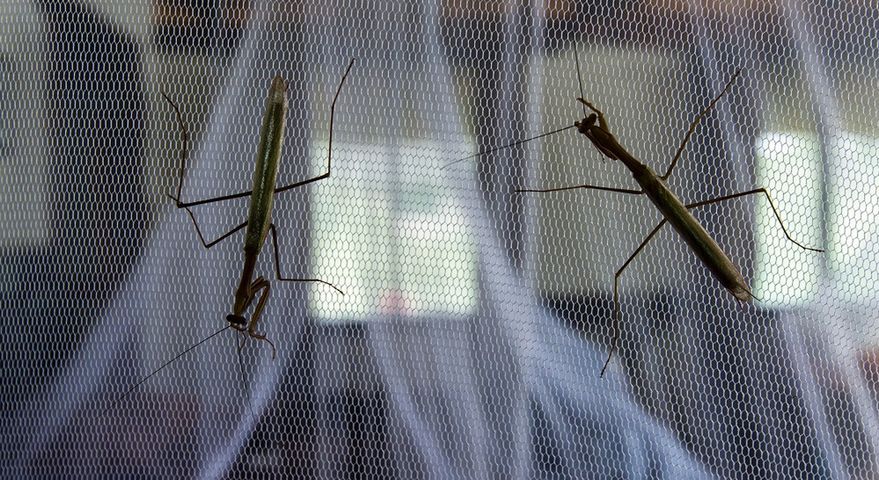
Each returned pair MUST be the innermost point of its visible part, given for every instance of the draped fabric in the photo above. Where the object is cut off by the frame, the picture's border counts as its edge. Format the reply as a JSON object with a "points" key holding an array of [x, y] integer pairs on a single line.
{"points": [[475, 319]]}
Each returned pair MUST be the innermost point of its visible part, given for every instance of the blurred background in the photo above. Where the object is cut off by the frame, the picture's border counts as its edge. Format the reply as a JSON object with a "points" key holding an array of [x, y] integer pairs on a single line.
{"points": [[475, 320]]}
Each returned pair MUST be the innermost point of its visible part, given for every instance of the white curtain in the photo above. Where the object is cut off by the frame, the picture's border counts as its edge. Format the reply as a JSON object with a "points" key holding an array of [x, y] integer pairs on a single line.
{"points": [[485, 363]]}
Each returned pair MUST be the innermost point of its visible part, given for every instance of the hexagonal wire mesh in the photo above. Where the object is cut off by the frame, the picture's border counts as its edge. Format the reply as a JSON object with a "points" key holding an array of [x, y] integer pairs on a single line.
{"points": [[475, 320]]}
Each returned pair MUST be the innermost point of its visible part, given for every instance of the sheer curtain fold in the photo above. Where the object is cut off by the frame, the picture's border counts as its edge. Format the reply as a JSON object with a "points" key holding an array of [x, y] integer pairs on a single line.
{"points": [[699, 388]]}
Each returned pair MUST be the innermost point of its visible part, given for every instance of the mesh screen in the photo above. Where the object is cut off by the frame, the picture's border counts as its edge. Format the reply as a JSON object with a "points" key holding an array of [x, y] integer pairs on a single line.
{"points": [[475, 319]]}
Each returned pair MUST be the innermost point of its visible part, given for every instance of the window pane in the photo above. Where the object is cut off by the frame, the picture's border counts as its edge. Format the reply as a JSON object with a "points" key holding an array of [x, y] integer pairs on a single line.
{"points": [[398, 236]]}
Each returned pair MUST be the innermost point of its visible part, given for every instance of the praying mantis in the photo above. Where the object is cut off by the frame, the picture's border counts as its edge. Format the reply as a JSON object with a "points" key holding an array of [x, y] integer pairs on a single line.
{"points": [[674, 211], [258, 223]]}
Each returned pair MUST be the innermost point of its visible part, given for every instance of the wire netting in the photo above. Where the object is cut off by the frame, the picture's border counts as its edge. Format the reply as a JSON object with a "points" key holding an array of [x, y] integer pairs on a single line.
{"points": [[475, 319]]}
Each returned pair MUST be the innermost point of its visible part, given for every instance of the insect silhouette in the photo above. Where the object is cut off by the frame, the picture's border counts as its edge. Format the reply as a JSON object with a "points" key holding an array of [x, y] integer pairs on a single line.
{"points": [[676, 213], [258, 223]]}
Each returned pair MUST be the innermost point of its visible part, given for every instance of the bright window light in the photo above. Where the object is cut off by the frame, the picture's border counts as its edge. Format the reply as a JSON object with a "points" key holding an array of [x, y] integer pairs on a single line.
{"points": [[397, 236]]}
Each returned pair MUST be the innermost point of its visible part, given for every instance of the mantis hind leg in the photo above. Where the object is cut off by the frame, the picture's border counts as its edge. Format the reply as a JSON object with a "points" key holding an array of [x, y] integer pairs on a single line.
{"points": [[616, 297], [771, 205]]}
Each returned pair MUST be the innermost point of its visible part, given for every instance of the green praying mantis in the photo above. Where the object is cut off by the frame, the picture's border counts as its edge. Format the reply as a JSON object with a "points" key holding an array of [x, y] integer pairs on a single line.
{"points": [[674, 211], [259, 222]]}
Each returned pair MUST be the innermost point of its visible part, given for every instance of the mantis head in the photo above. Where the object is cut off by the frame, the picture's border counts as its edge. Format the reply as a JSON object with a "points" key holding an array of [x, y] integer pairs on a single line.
{"points": [[598, 134], [237, 322], [583, 126], [243, 299]]}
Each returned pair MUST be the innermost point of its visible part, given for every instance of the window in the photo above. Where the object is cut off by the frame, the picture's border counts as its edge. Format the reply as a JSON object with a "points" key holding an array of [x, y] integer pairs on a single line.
{"points": [[399, 239], [790, 161]]}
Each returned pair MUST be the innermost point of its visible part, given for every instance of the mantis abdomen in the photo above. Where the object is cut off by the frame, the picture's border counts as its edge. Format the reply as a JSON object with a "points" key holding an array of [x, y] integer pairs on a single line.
{"points": [[691, 231], [265, 172]]}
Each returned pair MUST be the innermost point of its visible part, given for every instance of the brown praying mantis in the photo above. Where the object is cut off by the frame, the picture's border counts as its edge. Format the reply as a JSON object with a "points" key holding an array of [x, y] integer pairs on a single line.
{"points": [[675, 212], [258, 222]]}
